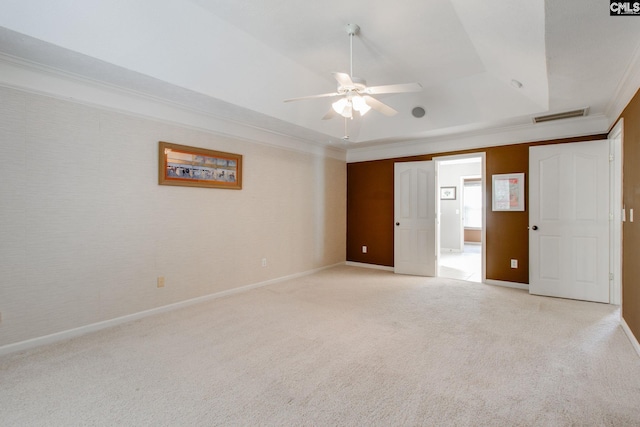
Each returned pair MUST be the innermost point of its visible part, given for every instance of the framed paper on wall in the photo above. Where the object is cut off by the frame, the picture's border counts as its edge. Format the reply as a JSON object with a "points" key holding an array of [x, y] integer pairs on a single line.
{"points": [[447, 193], [198, 167], [508, 192]]}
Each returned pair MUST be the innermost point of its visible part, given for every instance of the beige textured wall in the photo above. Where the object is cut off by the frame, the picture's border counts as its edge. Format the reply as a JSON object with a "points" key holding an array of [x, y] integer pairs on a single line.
{"points": [[85, 229]]}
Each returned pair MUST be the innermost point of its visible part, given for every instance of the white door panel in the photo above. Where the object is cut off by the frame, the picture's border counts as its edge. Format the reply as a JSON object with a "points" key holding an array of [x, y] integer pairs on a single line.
{"points": [[569, 220], [415, 218]]}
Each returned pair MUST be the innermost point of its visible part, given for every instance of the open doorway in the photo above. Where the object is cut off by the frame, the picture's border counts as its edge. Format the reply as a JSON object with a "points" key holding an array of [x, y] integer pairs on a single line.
{"points": [[460, 217]]}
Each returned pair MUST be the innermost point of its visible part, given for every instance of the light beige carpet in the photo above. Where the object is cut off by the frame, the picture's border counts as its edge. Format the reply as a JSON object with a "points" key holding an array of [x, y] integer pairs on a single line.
{"points": [[346, 346]]}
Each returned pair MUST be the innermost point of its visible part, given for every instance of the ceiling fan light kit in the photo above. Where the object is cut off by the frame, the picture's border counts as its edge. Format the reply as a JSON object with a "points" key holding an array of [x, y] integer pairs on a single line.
{"points": [[355, 94], [343, 107], [346, 106], [360, 105]]}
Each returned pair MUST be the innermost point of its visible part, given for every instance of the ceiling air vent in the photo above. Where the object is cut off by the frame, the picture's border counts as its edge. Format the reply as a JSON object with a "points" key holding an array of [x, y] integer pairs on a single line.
{"points": [[560, 116]]}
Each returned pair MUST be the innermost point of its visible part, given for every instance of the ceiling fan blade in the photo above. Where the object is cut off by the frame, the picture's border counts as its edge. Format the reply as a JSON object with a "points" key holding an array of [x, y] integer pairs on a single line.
{"points": [[399, 88], [323, 95], [379, 106], [343, 79], [330, 114]]}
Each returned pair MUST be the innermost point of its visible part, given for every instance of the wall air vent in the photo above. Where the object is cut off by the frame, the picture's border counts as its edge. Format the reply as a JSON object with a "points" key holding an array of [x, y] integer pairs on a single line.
{"points": [[560, 116]]}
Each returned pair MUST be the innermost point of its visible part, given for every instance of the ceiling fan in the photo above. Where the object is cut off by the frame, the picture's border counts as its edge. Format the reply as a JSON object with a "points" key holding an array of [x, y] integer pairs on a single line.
{"points": [[355, 95]]}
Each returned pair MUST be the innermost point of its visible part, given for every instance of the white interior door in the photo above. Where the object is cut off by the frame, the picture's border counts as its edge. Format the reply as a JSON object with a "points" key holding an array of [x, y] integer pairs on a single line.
{"points": [[569, 220], [415, 218]]}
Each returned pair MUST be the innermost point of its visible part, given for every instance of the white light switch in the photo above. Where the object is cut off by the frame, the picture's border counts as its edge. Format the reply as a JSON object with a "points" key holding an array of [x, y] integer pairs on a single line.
{"points": [[364, 249], [631, 215]]}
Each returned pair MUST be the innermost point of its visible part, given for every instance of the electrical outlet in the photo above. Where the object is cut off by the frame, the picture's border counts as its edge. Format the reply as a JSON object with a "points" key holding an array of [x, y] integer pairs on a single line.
{"points": [[514, 263], [364, 249], [264, 262], [161, 281]]}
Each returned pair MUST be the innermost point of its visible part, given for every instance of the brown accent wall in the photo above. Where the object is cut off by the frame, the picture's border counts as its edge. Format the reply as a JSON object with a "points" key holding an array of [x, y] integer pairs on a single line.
{"points": [[370, 211], [472, 235], [631, 230]]}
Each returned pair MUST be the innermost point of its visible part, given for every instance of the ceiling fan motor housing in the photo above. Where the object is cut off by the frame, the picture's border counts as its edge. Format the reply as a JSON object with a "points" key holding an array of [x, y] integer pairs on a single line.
{"points": [[359, 86]]}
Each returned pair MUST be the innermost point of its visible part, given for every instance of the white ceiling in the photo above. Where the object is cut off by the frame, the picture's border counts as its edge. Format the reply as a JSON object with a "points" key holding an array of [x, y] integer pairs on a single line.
{"points": [[240, 59]]}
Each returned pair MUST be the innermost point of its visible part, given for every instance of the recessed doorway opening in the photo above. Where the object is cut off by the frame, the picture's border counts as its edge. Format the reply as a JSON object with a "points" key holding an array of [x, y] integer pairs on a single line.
{"points": [[461, 217]]}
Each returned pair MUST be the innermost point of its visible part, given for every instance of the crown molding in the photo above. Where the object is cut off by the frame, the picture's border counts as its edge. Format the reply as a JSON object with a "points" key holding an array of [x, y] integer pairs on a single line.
{"points": [[626, 90], [519, 134], [38, 79], [590, 125]]}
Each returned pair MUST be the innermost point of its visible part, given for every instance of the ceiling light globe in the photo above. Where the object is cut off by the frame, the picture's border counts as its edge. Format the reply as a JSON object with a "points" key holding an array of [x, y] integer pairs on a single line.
{"points": [[360, 105], [347, 113], [343, 107], [339, 105]]}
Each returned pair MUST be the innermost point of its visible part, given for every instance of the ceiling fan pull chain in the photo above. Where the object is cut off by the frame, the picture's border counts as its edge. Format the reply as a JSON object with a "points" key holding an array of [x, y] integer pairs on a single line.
{"points": [[346, 129]]}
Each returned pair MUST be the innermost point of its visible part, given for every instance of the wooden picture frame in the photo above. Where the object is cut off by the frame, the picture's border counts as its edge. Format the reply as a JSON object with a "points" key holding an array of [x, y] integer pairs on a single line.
{"points": [[198, 167], [508, 192], [447, 193]]}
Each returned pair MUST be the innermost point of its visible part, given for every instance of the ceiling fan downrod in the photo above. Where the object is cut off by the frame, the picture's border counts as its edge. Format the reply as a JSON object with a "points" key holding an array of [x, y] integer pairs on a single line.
{"points": [[352, 30]]}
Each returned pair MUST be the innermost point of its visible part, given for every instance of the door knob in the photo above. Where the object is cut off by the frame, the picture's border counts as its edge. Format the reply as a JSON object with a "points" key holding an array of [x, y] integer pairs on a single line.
{"points": [[534, 228], [397, 223]]}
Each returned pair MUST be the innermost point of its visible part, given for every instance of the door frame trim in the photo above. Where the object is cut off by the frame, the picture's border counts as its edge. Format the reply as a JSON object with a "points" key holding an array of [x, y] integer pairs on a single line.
{"points": [[483, 177], [616, 144]]}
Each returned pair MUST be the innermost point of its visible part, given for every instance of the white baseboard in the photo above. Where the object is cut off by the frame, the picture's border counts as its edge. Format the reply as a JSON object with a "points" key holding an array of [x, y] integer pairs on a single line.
{"points": [[451, 250], [632, 338], [372, 266], [82, 330], [487, 281], [507, 284]]}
